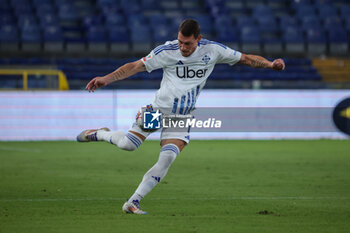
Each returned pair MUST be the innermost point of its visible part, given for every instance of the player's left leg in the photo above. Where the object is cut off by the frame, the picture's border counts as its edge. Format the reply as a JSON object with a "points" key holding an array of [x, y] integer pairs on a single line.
{"points": [[170, 149], [172, 143]]}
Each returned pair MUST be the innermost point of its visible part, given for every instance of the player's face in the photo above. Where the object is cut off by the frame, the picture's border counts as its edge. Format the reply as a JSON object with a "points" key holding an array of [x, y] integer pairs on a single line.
{"points": [[188, 44]]}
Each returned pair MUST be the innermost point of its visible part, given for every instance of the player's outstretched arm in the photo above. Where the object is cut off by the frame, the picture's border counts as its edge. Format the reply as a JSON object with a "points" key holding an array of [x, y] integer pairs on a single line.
{"points": [[121, 73], [256, 61]]}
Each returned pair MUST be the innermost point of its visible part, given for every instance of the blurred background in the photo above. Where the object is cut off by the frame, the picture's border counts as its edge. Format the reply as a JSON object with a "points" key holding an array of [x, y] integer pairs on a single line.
{"points": [[61, 44]]}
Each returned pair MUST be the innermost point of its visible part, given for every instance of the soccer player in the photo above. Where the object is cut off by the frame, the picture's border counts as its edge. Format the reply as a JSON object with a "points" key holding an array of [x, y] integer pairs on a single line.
{"points": [[187, 63]]}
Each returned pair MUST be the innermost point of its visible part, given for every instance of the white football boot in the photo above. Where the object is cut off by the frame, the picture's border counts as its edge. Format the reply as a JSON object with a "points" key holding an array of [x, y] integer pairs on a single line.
{"points": [[89, 135], [133, 208]]}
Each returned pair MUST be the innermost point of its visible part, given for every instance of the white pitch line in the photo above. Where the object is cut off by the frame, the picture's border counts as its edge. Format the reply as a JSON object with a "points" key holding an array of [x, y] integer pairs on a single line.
{"points": [[8, 148], [167, 199]]}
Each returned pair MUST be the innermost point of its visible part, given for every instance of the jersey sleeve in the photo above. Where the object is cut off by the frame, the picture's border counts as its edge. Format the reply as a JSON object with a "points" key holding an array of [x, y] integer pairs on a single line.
{"points": [[228, 56], [154, 60]]}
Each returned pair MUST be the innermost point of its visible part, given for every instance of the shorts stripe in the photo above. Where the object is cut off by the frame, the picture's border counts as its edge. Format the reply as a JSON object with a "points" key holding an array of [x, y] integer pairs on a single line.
{"points": [[171, 147], [134, 139], [135, 143], [176, 101], [188, 102], [139, 141], [182, 105]]}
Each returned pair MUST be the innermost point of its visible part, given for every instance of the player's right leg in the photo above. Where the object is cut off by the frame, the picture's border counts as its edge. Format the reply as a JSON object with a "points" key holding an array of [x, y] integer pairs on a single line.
{"points": [[127, 141]]}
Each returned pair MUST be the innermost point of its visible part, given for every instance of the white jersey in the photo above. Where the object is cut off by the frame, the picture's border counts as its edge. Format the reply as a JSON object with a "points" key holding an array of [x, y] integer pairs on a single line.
{"points": [[184, 77]]}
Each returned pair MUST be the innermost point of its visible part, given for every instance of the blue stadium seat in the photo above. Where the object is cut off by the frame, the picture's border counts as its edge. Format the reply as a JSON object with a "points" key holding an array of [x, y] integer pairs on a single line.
{"points": [[234, 4], [254, 3], [31, 38], [110, 9], [238, 12], [96, 33], [222, 21], [245, 21], [19, 2], [158, 20], [136, 20], [316, 42], [169, 5], [322, 2], [44, 9], [250, 39], [250, 34], [206, 25], [162, 34], [287, 21], [9, 38], [262, 11], [21, 9], [338, 41], [52, 34], [102, 2], [97, 39], [269, 32], [175, 20], [67, 13], [141, 39], [305, 10], [40, 2], [344, 11], [118, 34], [294, 40], [340, 2], [150, 5], [332, 22], [190, 4], [52, 38], [48, 19], [119, 39], [27, 20], [277, 4], [115, 19], [272, 46], [5, 7], [7, 18], [268, 27], [74, 39], [92, 20], [327, 10], [59, 3], [347, 24], [310, 22], [299, 3], [132, 9], [217, 10], [229, 36]]}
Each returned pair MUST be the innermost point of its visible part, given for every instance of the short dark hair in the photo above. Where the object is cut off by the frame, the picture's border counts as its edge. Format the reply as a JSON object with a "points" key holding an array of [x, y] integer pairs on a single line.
{"points": [[190, 27]]}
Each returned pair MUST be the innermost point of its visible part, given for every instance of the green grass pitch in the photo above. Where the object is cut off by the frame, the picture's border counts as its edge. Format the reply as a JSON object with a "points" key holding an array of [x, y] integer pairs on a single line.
{"points": [[277, 186]]}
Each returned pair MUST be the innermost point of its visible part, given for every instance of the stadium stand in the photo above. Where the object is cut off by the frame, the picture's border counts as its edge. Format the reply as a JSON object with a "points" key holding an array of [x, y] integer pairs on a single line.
{"points": [[58, 32]]}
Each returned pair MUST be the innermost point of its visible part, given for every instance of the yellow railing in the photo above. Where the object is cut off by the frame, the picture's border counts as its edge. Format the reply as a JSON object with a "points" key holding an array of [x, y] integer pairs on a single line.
{"points": [[333, 69], [62, 79]]}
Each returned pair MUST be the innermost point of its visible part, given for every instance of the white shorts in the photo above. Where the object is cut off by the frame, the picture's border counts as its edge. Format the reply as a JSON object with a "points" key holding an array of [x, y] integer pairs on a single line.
{"points": [[166, 133]]}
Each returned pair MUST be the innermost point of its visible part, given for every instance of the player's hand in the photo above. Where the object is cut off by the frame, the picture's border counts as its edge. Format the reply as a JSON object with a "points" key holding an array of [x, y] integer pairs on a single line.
{"points": [[96, 83], [278, 64]]}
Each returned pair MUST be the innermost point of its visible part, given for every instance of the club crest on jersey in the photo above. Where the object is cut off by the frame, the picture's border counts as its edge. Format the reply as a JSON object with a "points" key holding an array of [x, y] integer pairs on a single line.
{"points": [[206, 59], [148, 57]]}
